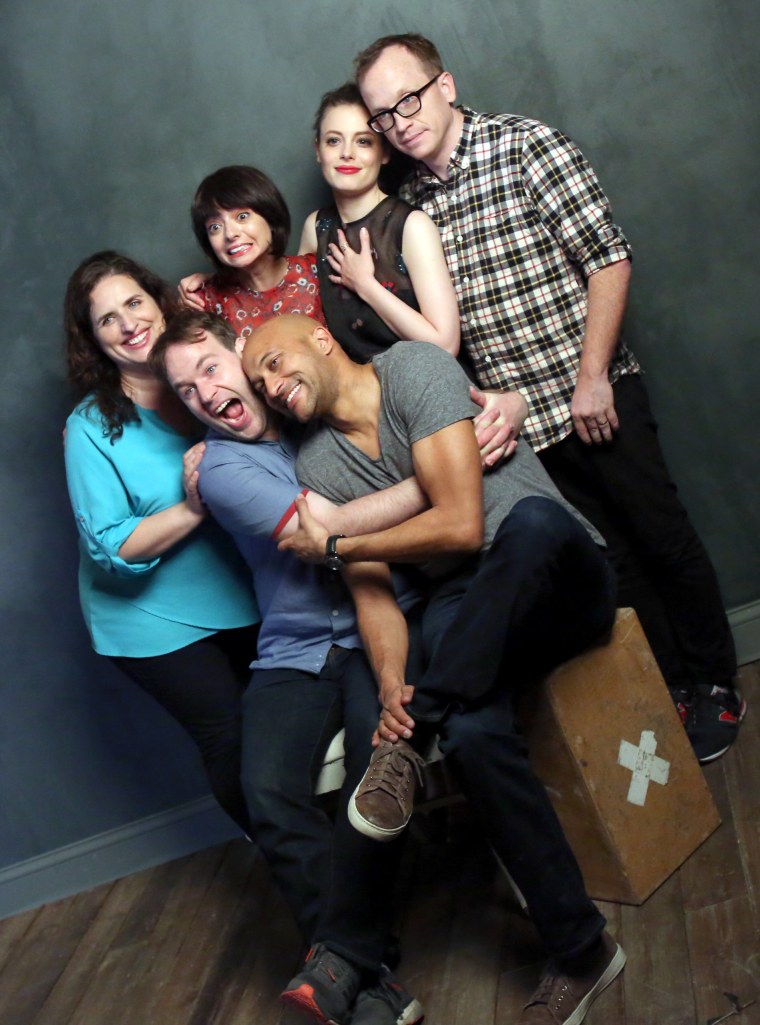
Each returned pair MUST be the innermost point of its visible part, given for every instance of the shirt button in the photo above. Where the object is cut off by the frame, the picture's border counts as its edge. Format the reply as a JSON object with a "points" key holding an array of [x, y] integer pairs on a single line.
{"points": [[460, 238], [473, 323], [487, 359], [335, 612]]}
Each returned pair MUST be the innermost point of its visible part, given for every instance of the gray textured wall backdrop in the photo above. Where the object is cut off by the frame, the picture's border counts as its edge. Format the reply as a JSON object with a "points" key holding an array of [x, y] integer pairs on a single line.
{"points": [[110, 116]]}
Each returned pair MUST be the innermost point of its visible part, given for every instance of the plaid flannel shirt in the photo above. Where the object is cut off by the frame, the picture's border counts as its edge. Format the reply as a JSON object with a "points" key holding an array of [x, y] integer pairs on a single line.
{"points": [[524, 223]]}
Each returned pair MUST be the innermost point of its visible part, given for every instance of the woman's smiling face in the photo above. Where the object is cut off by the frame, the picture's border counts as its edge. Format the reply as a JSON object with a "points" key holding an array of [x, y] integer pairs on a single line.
{"points": [[348, 151], [126, 321]]}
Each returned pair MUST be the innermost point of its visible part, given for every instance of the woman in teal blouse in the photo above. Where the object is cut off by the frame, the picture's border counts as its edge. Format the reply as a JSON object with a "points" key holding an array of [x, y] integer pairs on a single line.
{"points": [[163, 592]]}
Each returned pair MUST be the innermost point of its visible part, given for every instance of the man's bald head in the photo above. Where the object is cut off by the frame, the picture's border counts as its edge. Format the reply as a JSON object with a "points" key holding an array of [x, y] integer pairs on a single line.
{"points": [[290, 360]]}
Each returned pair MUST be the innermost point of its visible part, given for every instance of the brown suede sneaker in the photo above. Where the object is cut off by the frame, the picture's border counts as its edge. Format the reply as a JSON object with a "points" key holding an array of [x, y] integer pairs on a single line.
{"points": [[382, 804], [564, 999]]}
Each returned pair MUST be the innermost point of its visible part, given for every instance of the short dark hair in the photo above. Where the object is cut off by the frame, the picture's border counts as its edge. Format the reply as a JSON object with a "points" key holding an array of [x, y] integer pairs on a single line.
{"points": [[420, 46], [89, 370], [186, 328], [240, 187], [346, 95]]}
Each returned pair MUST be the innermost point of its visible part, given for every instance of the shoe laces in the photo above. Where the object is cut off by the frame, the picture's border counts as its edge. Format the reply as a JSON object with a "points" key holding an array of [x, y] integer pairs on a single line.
{"points": [[389, 771], [552, 989]]}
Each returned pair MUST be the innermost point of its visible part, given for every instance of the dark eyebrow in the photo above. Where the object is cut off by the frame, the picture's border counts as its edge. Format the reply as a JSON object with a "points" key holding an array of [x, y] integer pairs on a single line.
{"points": [[110, 313], [265, 356]]}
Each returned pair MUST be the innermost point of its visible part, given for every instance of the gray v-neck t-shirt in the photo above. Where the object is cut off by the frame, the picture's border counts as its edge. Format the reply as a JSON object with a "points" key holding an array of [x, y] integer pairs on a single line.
{"points": [[423, 390]]}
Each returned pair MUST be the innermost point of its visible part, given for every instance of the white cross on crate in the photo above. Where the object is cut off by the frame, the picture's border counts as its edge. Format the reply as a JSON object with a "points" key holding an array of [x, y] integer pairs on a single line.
{"points": [[645, 766]]}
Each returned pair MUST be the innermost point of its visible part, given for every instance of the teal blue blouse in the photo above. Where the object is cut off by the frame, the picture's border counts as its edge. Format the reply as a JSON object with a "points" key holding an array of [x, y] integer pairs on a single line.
{"points": [[147, 608]]}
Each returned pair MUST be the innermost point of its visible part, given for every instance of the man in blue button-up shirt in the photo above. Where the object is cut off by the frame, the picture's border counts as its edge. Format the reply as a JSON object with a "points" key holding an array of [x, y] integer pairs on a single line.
{"points": [[311, 677]]}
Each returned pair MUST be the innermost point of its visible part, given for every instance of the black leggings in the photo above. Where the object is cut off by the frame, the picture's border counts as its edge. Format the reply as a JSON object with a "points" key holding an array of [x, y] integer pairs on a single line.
{"points": [[201, 686]]}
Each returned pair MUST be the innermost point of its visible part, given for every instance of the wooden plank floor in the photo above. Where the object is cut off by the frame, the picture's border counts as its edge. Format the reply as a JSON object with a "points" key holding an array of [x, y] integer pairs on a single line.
{"points": [[206, 940]]}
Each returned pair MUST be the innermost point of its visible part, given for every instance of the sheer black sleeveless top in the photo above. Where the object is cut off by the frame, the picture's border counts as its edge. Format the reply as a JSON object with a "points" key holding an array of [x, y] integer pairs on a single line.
{"points": [[355, 324]]}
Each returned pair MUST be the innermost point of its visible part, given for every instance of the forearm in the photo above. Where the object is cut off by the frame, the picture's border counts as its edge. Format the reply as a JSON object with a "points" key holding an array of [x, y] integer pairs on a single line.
{"points": [[607, 298], [378, 511], [439, 327], [158, 533], [381, 623], [434, 532]]}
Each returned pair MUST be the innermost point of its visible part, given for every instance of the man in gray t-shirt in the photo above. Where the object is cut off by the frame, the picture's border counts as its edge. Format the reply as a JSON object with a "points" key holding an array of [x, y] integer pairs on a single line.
{"points": [[518, 584], [422, 392]]}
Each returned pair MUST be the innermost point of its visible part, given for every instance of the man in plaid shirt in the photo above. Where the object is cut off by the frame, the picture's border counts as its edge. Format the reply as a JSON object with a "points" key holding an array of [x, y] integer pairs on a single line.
{"points": [[541, 274]]}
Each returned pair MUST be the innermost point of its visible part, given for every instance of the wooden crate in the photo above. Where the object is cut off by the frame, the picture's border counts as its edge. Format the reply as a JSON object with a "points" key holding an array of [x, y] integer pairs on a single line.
{"points": [[610, 747]]}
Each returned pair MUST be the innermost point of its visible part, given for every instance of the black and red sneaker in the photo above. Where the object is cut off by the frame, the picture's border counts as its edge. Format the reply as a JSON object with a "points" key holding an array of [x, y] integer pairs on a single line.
{"points": [[323, 992], [682, 698], [713, 720], [387, 1003]]}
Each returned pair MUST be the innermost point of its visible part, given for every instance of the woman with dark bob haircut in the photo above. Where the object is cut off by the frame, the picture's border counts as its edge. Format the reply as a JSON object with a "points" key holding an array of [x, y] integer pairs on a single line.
{"points": [[242, 223], [163, 592]]}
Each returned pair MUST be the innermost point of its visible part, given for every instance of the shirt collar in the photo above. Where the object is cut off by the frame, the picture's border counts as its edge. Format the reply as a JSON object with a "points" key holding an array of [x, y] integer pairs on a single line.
{"points": [[460, 158]]}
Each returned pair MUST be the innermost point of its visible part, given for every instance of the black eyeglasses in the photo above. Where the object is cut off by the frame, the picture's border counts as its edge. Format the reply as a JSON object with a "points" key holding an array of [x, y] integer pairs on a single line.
{"points": [[407, 106]]}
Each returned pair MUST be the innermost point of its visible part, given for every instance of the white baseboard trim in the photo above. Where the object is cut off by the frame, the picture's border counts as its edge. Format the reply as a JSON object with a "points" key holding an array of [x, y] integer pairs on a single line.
{"points": [[745, 626], [190, 827], [101, 858]]}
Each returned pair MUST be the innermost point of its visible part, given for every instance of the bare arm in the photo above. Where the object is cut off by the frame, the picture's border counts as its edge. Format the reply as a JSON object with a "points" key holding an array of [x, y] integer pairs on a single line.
{"points": [[156, 534], [378, 511], [593, 407], [386, 641], [438, 318], [447, 467], [308, 243]]}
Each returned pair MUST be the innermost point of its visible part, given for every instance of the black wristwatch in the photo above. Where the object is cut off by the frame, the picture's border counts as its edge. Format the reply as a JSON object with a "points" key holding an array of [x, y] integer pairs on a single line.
{"points": [[332, 560]]}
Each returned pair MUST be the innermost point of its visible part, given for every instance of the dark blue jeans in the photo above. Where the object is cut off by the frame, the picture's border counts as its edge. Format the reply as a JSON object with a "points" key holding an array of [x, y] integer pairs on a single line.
{"points": [[664, 573], [335, 880], [541, 594]]}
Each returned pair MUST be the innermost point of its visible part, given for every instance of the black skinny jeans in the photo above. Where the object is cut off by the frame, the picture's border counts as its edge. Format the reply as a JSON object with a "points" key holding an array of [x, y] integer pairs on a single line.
{"points": [[201, 686], [664, 572]]}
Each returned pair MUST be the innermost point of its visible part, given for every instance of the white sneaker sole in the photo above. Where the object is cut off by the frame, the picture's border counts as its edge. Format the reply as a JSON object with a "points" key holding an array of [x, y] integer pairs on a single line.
{"points": [[369, 828], [610, 973], [412, 1014]]}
